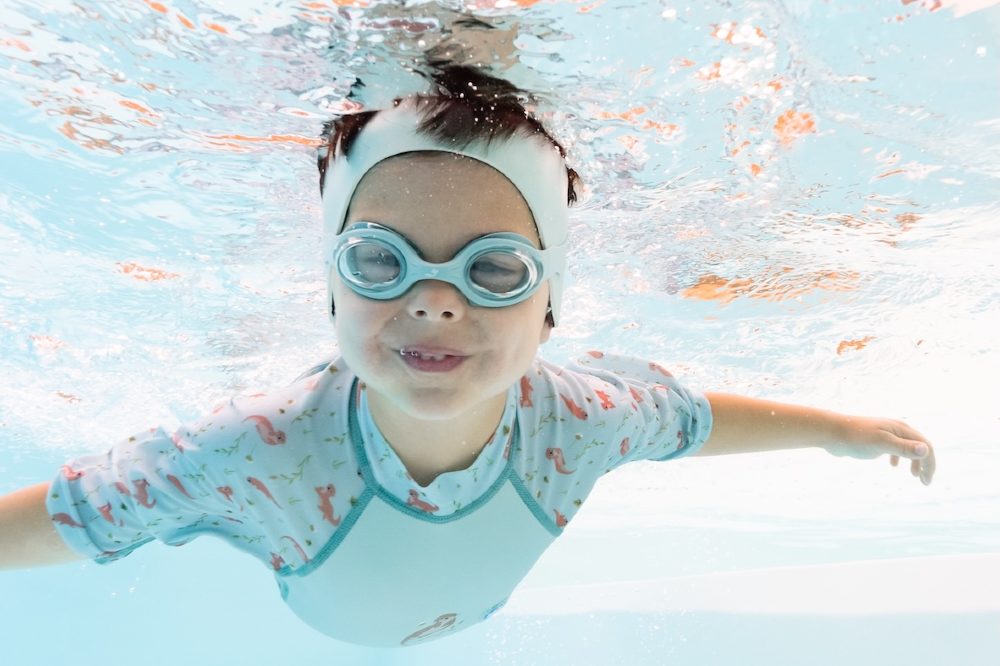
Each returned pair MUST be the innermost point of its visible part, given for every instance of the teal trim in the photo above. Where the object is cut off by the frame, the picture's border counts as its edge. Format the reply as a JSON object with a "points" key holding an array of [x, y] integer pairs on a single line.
{"points": [[533, 506], [529, 501], [283, 589], [700, 425], [353, 515], [373, 489], [402, 507], [342, 531], [118, 554]]}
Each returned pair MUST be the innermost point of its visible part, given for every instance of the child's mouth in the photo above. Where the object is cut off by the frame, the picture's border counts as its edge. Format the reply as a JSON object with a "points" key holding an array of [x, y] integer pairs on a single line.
{"points": [[428, 361]]}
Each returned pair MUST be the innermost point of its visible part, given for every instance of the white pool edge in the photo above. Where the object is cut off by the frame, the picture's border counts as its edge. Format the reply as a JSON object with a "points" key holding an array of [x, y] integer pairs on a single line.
{"points": [[961, 584]]}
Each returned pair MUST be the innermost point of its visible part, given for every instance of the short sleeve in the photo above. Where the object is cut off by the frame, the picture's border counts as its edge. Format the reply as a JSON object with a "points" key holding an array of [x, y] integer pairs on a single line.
{"points": [[272, 473], [660, 418], [154, 485], [581, 421]]}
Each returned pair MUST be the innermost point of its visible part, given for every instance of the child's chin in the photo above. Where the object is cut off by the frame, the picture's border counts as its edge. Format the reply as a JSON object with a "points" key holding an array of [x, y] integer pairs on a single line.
{"points": [[438, 408]]}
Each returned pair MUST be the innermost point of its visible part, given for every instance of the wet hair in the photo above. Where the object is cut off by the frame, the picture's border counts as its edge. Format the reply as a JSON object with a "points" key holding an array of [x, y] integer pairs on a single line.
{"points": [[465, 105]]}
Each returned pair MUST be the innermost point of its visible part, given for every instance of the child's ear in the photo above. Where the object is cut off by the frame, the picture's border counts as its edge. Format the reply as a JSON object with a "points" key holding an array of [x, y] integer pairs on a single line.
{"points": [[546, 331]]}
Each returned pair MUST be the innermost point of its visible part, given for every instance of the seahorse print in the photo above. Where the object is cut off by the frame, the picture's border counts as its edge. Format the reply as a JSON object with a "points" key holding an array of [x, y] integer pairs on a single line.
{"points": [[267, 431], [259, 485], [142, 493], [556, 456], [415, 501], [574, 408], [526, 392], [326, 493]]}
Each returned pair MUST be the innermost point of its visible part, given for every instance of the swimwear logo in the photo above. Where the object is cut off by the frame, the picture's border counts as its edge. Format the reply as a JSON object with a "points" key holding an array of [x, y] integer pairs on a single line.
{"points": [[441, 624]]}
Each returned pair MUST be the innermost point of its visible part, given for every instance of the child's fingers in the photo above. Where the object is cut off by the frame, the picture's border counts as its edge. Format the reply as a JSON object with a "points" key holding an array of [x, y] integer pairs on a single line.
{"points": [[923, 462], [920, 453], [909, 445], [928, 465]]}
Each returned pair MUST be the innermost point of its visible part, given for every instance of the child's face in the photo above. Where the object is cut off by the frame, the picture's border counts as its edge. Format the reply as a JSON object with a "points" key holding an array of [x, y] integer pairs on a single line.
{"points": [[439, 202]]}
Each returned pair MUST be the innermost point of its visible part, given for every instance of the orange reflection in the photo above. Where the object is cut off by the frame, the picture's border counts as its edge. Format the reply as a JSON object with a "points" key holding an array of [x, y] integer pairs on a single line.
{"points": [[88, 142], [89, 116], [138, 272], [499, 4], [908, 220], [627, 116], [931, 5], [853, 344], [739, 149], [15, 42], [319, 18], [665, 129], [776, 286], [272, 138], [710, 72], [631, 117], [715, 288], [136, 106], [793, 124], [47, 342], [733, 34]]}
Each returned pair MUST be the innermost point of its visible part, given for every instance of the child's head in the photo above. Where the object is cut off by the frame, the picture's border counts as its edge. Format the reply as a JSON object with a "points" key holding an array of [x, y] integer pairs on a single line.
{"points": [[446, 229], [469, 113]]}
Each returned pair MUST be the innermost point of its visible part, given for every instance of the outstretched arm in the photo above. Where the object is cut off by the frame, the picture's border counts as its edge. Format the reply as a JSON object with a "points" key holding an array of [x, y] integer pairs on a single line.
{"points": [[27, 536], [744, 425]]}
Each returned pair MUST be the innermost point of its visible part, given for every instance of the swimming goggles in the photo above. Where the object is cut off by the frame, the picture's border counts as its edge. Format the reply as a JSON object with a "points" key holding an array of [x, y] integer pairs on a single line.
{"points": [[492, 271]]}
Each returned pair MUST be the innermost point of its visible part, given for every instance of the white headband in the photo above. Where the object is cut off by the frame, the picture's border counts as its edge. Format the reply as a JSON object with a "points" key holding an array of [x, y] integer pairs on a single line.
{"points": [[533, 166]]}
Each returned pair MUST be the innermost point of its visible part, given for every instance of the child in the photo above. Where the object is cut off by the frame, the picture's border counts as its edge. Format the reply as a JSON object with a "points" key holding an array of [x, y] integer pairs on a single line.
{"points": [[401, 491]]}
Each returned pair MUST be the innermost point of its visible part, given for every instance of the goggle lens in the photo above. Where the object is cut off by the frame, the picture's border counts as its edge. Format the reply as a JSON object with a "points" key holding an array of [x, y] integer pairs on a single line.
{"points": [[499, 273], [372, 264]]}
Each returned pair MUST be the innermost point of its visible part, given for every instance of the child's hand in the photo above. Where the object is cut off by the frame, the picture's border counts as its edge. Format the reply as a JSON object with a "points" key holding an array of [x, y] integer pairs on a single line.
{"points": [[744, 425], [863, 437]]}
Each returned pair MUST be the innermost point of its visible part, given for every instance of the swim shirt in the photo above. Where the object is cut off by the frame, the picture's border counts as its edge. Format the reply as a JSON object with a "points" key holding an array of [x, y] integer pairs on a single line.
{"points": [[302, 479]]}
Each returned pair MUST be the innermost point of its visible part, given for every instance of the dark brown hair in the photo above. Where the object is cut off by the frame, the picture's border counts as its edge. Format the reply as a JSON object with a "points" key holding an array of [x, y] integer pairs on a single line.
{"points": [[465, 105]]}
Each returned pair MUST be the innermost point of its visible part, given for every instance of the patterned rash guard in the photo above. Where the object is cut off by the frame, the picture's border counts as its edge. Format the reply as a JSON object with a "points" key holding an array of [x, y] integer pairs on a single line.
{"points": [[302, 479]]}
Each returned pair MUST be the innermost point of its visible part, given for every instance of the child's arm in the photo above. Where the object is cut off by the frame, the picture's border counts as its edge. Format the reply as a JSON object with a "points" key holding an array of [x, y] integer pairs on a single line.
{"points": [[743, 425], [27, 536]]}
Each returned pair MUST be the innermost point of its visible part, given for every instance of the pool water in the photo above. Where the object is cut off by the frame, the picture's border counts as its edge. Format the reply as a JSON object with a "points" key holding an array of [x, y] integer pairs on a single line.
{"points": [[791, 200]]}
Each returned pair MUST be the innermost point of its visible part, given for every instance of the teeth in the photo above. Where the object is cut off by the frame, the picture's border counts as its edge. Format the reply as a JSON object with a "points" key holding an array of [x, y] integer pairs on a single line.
{"points": [[425, 357]]}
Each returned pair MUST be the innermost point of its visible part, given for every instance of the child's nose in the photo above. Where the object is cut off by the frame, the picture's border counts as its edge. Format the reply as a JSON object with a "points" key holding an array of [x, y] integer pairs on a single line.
{"points": [[435, 300]]}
